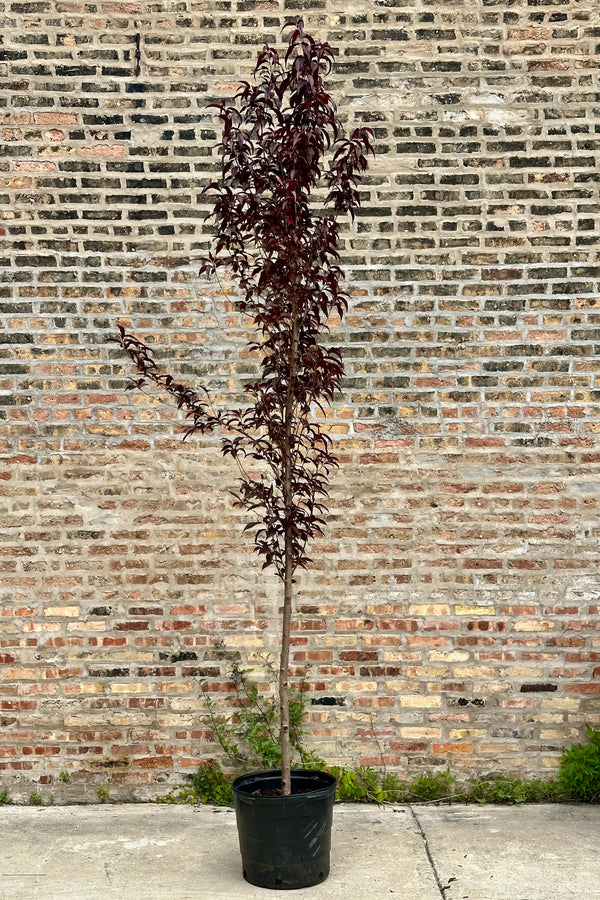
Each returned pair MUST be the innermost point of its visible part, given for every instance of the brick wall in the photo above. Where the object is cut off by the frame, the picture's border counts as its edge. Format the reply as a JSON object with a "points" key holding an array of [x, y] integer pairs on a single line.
{"points": [[453, 611]]}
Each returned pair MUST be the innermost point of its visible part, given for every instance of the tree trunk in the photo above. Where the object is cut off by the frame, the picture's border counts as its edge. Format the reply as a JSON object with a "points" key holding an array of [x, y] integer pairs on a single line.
{"points": [[288, 574], [284, 665]]}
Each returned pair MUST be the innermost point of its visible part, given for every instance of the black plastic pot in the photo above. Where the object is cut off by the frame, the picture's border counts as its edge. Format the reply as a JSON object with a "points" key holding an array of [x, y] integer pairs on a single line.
{"points": [[285, 841]]}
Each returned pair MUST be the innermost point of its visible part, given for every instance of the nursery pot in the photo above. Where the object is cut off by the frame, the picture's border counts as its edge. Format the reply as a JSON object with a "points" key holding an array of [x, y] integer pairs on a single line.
{"points": [[285, 841]]}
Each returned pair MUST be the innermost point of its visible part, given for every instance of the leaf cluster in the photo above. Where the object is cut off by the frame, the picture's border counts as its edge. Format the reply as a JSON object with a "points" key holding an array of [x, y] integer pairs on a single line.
{"points": [[509, 791], [579, 772], [211, 785], [364, 784], [208, 785], [251, 736], [282, 140]]}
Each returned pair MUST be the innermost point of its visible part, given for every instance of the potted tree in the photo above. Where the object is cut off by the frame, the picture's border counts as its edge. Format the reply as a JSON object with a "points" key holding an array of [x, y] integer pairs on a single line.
{"points": [[281, 141]]}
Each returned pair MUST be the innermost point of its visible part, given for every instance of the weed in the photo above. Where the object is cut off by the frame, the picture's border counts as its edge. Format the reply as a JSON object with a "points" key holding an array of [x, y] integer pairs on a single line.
{"points": [[359, 785], [364, 784], [251, 737], [35, 798], [579, 773], [540, 790], [501, 789], [183, 794], [64, 777], [393, 788], [426, 788], [102, 794], [210, 784], [5, 797]]}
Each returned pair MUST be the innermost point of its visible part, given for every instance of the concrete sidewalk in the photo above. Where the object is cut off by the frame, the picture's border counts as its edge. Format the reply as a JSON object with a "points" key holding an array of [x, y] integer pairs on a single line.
{"points": [[151, 852]]}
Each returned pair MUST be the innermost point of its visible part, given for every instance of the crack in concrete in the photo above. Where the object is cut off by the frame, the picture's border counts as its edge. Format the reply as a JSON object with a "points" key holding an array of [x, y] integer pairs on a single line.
{"points": [[438, 881]]}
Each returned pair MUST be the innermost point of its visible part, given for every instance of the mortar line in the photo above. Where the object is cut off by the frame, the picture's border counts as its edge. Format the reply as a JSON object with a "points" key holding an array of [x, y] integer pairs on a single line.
{"points": [[428, 853]]}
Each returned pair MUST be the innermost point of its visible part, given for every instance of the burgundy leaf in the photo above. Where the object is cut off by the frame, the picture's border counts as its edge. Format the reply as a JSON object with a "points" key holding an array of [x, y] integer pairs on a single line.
{"points": [[281, 139]]}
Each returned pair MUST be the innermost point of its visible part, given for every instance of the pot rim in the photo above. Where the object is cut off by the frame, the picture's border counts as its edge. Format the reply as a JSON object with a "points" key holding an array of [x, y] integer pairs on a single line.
{"points": [[326, 786]]}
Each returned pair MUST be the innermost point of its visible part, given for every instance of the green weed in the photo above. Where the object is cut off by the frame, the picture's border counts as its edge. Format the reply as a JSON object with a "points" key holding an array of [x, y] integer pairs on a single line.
{"points": [[251, 737], [579, 773], [426, 788], [211, 785], [502, 789]]}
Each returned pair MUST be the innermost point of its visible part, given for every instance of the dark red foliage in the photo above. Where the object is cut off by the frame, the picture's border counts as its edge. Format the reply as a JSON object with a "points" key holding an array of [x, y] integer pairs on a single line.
{"points": [[281, 140]]}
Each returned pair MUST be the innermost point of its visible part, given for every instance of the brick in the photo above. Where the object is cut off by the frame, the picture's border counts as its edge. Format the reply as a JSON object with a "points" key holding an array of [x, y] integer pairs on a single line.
{"points": [[452, 748], [420, 733], [418, 702]]}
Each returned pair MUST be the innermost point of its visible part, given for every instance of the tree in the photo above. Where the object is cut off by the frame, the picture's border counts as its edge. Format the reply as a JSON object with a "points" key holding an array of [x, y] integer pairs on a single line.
{"points": [[278, 134]]}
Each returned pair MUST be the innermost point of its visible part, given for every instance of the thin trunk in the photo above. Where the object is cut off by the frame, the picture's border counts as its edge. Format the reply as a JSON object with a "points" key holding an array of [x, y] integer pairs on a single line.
{"points": [[284, 665], [288, 579]]}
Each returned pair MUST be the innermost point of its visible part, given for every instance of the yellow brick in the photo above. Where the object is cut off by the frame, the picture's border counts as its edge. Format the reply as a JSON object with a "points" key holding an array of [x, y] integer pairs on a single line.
{"points": [[173, 721], [352, 717], [15, 674], [261, 658], [498, 749], [551, 762], [473, 672], [460, 733], [429, 609], [415, 733], [417, 701], [449, 655], [244, 640], [179, 687], [344, 640], [547, 718], [127, 719], [427, 671], [534, 625], [86, 626], [86, 720], [474, 610], [62, 611], [492, 687], [356, 687], [134, 688], [398, 685], [551, 734], [137, 656], [561, 703], [522, 672]]}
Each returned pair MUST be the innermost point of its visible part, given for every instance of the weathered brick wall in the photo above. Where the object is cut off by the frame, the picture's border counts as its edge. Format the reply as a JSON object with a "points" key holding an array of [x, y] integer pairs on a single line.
{"points": [[454, 604]]}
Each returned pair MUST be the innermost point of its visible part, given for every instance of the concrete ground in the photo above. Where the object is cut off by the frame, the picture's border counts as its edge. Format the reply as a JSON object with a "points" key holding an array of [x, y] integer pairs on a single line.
{"points": [[151, 852]]}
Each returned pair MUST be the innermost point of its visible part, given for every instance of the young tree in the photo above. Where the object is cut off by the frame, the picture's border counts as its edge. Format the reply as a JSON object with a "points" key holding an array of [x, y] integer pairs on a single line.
{"points": [[281, 140]]}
